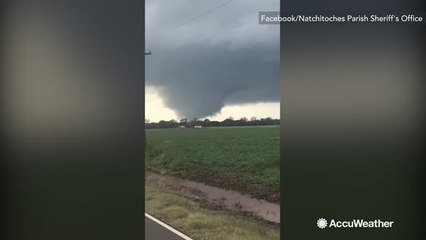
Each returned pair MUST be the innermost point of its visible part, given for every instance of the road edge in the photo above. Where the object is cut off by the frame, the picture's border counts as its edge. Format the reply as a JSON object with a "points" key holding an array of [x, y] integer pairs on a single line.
{"points": [[168, 227]]}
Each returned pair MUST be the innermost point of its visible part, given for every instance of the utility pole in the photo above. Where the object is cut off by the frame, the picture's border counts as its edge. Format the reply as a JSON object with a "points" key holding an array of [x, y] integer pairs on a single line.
{"points": [[144, 137]]}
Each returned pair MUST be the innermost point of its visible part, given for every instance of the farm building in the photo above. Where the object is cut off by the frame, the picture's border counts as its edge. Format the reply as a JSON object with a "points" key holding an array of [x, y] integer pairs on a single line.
{"points": [[181, 126], [198, 126]]}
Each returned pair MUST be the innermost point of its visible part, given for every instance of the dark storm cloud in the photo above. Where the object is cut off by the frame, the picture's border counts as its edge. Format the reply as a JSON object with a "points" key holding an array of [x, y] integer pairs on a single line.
{"points": [[198, 81], [222, 58]]}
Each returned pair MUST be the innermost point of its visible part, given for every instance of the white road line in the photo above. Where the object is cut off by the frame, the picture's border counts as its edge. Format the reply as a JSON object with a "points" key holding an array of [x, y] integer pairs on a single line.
{"points": [[168, 227]]}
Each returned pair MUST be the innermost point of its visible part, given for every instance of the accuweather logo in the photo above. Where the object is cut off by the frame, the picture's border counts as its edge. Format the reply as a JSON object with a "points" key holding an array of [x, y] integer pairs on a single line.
{"points": [[354, 223], [322, 223]]}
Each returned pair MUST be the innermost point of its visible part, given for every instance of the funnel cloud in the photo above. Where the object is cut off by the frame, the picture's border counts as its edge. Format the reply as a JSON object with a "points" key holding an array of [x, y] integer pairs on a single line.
{"points": [[220, 57]]}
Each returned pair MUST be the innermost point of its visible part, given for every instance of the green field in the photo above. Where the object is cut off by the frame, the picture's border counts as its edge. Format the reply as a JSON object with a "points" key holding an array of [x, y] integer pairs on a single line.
{"points": [[245, 158]]}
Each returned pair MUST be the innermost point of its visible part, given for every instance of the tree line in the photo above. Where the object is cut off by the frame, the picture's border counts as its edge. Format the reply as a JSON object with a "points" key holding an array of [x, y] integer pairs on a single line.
{"points": [[184, 122]]}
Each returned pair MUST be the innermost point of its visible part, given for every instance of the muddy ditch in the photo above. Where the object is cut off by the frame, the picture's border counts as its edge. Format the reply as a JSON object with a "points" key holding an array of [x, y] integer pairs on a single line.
{"points": [[216, 197]]}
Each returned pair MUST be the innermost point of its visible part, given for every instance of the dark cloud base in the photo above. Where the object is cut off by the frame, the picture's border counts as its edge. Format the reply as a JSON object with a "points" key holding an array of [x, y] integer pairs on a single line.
{"points": [[198, 80]]}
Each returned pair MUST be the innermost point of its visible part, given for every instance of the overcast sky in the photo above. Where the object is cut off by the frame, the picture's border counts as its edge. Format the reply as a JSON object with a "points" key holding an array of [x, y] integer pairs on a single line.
{"points": [[211, 59]]}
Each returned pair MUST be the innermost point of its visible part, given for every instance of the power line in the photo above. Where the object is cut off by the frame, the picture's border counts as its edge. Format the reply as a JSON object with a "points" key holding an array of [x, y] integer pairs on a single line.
{"points": [[203, 14], [244, 24], [193, 19], [206, 13]]}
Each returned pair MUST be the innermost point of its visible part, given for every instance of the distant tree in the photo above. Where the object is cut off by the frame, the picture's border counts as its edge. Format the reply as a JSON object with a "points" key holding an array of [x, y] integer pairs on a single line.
{"points": [[208, 123], [228, 122], [192, 122], [162, 124], [215, 124]]}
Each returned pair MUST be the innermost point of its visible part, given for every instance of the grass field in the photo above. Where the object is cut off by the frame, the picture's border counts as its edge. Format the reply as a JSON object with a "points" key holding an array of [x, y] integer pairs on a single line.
{"points": [[200, 223], [223, 155]]}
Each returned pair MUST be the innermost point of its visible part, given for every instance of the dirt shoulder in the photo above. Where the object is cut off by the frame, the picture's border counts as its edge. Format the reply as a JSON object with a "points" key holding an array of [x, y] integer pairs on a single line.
{"points": [[215, 198], [226, 180], [193, 219]]}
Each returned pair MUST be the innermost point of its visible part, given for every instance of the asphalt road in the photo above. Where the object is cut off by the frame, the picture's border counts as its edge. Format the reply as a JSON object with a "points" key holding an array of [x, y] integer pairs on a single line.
{"points": [[157, 230]]}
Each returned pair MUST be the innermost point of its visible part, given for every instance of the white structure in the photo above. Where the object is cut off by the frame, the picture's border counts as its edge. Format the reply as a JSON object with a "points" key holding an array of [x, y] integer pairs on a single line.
{"points": [[181, 126], [197, 126]]}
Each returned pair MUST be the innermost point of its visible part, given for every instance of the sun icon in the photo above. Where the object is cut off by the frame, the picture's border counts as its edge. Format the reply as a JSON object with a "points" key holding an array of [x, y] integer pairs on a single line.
{"points": [[322, 223]]}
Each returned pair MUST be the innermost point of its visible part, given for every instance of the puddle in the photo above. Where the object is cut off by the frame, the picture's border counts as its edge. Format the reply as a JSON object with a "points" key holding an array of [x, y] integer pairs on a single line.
{"points": [[230, 199]]}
